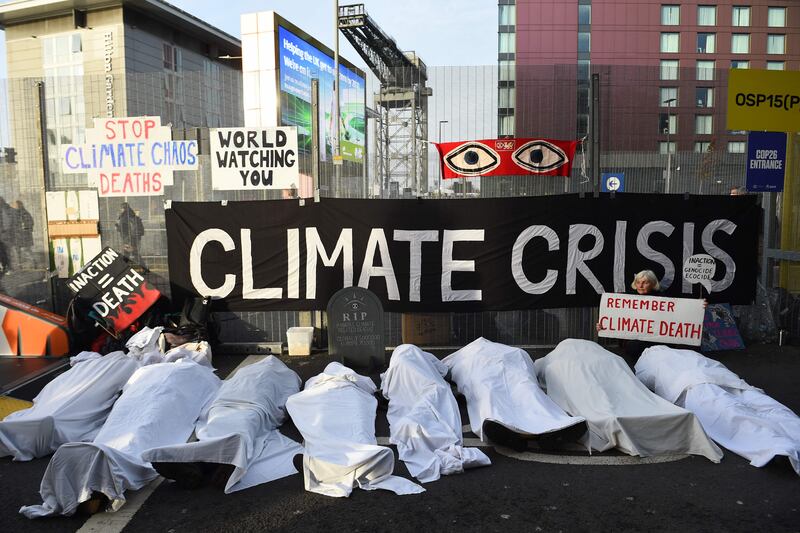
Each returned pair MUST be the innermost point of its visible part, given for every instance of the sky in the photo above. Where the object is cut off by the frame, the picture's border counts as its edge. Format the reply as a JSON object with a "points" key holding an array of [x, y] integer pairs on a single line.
{"points": [[441, 32]]}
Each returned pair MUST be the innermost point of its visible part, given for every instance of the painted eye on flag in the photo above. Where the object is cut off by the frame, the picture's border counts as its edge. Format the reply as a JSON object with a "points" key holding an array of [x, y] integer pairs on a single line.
{"points": [[472, 159], [539, 156]]}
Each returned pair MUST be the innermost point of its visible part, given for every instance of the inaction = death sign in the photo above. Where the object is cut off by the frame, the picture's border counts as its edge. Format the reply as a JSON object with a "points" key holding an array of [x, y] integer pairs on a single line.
{"points": [[254, 158], [651, 318]]}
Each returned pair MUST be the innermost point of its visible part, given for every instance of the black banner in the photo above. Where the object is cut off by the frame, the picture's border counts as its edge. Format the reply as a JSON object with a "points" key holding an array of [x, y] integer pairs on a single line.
{"points": [[458, 255]]}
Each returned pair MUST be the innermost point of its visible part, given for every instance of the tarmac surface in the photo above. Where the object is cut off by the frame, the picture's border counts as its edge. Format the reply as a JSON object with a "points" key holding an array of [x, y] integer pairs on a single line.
{"points": [[515, 493]]}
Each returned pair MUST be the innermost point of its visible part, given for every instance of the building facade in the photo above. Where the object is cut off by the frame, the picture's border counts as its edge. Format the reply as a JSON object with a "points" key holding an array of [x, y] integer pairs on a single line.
{"points": [[662, 63]]}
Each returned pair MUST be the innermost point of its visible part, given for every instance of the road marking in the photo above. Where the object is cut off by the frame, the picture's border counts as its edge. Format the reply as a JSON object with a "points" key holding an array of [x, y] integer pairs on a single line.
{"points": [[116, 522], [597, 460]]}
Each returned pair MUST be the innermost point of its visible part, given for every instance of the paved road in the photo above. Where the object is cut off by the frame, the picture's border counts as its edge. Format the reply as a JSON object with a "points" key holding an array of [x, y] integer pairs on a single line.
{"points": [[691, 494]]}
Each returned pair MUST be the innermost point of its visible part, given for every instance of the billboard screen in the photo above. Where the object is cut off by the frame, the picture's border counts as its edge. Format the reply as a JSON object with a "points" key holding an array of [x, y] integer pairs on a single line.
{"points": [[299, 63]]}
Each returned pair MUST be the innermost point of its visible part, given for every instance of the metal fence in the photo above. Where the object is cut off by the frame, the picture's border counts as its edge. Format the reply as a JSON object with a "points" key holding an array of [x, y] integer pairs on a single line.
{"points": [[660, 147]]}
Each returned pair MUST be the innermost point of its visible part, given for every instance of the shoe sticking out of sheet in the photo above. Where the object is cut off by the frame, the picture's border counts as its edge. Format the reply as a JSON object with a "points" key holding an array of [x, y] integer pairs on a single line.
{"points": [[96, 504], [520, 442], [196, 475]]}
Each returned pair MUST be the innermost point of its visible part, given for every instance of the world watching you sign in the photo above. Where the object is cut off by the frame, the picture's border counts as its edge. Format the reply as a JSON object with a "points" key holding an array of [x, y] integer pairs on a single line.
{"points": [[300, 62]]}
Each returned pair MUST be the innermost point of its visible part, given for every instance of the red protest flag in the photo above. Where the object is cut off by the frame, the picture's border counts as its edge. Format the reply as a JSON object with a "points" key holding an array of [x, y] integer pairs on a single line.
{"points": [[506, 157]]}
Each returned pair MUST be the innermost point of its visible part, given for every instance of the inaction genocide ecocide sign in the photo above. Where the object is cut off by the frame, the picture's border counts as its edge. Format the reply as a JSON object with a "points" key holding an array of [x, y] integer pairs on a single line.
{"points": [[254, 158], [457, 255]]}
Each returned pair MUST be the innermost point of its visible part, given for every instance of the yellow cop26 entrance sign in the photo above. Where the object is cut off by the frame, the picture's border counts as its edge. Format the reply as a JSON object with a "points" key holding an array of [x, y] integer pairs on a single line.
{"points": [[766, 100]]}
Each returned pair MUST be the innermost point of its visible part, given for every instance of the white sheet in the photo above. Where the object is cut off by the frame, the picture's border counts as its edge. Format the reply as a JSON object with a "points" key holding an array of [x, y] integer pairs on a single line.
{"points": [[424, 419], [241, 427], [737, 415], [336, 416], [71, 408], [587, 380], [159, 406], [500, 385]]}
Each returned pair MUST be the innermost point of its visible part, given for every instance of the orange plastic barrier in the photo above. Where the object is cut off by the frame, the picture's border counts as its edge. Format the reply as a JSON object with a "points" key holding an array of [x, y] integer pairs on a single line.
{"points": [[29, 330]]}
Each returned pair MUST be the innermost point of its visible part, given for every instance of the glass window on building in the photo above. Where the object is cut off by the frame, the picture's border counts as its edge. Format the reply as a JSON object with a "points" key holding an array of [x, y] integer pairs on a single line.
{"points": [[508, 15], [776, 44], [669, 43], [703, 124], [584, 72], [507, 97], [584, 42], [704, 97], [776, 17], [667, 122], [665, 94], [508, 43], [706, 43], [173, 84], [701, 147], [584, 14], [706, 15], [737, 147], [507, 125], [741, 16], [740, 64], [508, 70], [666, 147], [669, 69], [740, 43], [776, 65], [670, 15], [705, 70]]}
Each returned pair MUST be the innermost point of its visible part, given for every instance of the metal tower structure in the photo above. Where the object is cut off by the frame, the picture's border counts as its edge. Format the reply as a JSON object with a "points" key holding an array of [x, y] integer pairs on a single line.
{"points": [[401, 144]]}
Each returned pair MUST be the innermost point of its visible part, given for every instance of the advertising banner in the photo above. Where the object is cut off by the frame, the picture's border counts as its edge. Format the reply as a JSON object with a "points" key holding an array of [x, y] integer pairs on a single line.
{"points": [[299, 63], [254, 158], [118, 293], [131, 156], [766, 161], [506, 157], [651, 318], [457, 255]]}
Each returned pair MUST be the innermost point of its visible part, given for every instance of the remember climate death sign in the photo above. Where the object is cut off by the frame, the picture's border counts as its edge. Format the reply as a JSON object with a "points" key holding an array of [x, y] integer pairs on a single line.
{"points": [[457, 255], [651, 318]]}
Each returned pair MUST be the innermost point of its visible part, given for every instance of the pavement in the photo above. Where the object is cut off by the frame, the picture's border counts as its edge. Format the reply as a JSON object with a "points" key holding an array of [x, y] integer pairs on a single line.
{"points": [[569, 491]]}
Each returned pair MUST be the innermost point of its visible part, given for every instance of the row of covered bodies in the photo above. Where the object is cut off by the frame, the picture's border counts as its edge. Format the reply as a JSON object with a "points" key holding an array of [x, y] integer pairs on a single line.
{"points": [[592, 397]]}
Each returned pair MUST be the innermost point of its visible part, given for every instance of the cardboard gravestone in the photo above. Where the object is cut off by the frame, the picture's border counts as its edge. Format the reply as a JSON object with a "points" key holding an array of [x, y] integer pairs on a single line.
{"points": [[719, 329], [355, 328]]}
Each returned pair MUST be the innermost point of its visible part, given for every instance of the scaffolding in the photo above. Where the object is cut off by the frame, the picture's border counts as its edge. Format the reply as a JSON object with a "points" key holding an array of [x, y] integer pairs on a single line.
{"points": [[401, 139]]}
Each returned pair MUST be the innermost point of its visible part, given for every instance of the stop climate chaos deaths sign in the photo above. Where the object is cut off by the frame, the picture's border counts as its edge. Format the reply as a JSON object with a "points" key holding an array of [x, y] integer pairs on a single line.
{"points": [[457, 255], [506, 157]]}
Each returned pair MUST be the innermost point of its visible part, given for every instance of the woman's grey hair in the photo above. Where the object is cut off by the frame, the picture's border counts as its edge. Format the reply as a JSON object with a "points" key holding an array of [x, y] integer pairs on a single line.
{"points": [[646, 274]]}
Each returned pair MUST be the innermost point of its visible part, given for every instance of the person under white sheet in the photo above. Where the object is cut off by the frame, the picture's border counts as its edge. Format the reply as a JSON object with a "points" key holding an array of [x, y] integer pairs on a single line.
{"points": [[335, 413], [740, 417], [71, 408], [505, 403], [239, 445], [158, 406], [424, 419], [587, 380]]}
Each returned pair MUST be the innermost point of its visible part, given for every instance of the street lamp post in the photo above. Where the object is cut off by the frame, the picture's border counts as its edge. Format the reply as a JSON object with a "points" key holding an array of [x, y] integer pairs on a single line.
{"points": [[669, 148], [441, 170]]}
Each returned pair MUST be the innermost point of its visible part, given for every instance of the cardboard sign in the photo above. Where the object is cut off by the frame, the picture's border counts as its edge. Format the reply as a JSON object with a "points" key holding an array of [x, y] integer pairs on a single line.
{"points": [[129, 156], [118, 293], [254, 159], [719, 329], [651, 318], [700, 268]]}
